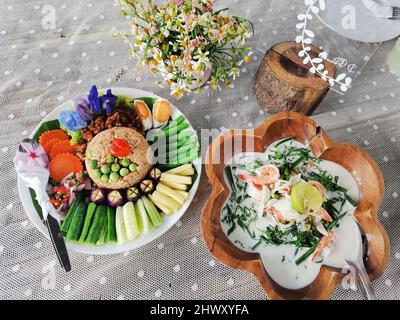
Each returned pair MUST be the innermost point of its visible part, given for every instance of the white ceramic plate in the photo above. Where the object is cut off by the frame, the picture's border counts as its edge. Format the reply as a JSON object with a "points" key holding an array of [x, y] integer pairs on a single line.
{"points": [[169, 220]]}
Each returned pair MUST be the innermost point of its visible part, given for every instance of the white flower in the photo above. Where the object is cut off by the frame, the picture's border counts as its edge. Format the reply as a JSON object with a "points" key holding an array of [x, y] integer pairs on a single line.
{"points": [[246, 59], [177, 90], [234, 73], [201, 56]]}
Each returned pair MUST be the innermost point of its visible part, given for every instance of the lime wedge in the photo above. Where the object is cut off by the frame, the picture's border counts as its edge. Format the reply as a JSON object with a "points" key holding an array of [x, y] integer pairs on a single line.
{"points": [[304, 196]]}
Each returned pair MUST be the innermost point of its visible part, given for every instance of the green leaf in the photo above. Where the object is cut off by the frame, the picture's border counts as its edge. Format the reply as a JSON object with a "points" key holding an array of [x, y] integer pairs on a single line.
{"points": [[48, 125]]}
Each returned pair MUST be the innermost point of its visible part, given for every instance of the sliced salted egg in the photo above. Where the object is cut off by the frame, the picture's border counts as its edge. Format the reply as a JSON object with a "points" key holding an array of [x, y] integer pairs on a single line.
{"points": [[144, 114], [161, 112]]}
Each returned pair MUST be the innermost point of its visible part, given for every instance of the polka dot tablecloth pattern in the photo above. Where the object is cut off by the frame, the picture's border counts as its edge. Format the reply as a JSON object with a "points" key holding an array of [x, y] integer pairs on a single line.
{"points": [[43, 65]]}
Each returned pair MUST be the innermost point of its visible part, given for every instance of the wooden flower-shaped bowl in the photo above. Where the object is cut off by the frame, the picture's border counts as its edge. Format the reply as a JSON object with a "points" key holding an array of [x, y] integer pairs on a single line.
{"points": [[288, 124]]}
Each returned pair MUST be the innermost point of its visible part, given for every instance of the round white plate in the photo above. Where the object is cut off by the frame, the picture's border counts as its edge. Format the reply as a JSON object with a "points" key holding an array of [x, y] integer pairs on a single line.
{"points": [[367, 27], [169, 220]]}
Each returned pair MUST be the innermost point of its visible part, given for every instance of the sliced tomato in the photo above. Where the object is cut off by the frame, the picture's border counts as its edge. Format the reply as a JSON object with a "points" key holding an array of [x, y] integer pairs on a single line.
{"points": [[121, 143], [120, 148], [118, 152]]}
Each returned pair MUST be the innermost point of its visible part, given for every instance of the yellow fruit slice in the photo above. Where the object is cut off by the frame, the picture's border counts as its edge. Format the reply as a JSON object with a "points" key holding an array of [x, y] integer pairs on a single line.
{"points": [[304, 196]]}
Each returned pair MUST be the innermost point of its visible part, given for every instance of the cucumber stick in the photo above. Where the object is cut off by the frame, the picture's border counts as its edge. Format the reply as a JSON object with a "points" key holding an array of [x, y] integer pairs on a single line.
{"points": [[97, 228], [111, 231], [68, 218], [75, 229], [120, 225], [152, 212], [130, 221], [144, 221], [103, 235], [88, 220]]}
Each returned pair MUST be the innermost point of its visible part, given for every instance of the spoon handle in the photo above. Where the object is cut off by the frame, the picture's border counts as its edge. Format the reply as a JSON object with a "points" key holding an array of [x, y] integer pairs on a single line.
{"points": [[365, 283]]}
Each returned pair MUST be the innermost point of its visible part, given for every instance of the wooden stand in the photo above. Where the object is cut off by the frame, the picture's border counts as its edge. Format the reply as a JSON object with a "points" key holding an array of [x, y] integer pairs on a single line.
{"points": [[284, 83]]}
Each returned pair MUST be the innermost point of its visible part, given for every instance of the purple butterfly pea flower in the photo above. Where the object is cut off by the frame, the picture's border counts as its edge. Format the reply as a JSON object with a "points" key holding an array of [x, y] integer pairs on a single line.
{"points": [[71, 120], [94, 100], [83, 107], [108, 101]]}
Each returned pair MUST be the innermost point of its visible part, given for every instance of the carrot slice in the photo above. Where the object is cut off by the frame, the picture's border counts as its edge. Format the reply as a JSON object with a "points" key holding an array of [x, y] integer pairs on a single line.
{"points": [[63, 164], [52, 134], [62, 146], [49, 145]]}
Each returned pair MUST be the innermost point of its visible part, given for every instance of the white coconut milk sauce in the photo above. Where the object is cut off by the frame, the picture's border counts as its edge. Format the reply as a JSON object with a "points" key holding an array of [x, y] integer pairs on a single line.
{"points": [[279, 260]]}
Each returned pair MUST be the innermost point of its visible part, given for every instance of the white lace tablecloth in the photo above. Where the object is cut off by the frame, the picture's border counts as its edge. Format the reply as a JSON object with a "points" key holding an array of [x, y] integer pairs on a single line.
{"points": [[40, 68]]}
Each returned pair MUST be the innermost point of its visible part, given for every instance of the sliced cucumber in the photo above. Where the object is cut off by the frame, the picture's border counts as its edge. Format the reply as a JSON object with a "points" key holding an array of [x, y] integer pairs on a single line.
{"points": [[120, 225], [144, 221], [154, 215], [111, 232], [130, 221], [70, 214], [90, 212], [97, 228], [75, 229], [103, 235]]}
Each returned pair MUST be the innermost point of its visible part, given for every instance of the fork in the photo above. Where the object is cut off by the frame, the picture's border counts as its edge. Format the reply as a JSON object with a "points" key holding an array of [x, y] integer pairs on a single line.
{"points": [[396, 13]]}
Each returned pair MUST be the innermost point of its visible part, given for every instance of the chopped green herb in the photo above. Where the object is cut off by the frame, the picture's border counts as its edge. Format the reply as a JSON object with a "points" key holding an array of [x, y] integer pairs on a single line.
{"points": [[304, 257]]}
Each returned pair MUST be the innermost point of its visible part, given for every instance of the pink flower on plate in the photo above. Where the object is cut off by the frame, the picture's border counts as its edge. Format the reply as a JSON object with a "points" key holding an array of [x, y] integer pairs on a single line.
{"points": [[180, 2], [34, 157]]}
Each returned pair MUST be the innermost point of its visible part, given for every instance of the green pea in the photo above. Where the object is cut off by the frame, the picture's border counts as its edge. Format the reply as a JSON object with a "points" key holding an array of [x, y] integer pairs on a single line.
{"points": [[133, 167], [110, 159], [105, 178], [92, 164], [89, 154], [105, 169], [123, 172], [115, 167], [125, 162], [114, 177], [97, 174]]}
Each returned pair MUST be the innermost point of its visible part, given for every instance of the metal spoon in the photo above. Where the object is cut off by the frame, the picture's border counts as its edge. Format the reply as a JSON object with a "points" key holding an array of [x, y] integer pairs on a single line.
{"points": [[358, 264]]}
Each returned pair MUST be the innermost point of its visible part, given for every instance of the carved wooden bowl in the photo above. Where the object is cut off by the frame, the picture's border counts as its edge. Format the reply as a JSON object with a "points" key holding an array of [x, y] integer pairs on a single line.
{"points": [[363, 168]]}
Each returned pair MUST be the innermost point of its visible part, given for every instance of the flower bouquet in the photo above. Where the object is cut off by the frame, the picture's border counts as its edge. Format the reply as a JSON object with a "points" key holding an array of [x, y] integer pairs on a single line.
{"points": [[187, 42]]}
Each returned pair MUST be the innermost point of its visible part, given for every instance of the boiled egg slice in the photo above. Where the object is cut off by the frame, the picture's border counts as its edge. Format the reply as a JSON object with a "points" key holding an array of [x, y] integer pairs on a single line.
{"points": [[144, 114], [161, 112]]}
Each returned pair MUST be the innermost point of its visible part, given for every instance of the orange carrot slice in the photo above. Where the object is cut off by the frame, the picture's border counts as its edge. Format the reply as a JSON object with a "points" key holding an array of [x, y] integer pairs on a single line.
{"points": [[49, 145], [52, 134], [63, 164], [62, 146]]}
